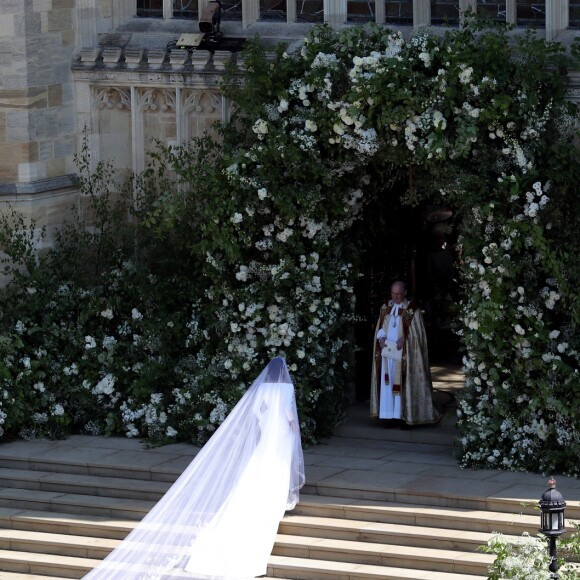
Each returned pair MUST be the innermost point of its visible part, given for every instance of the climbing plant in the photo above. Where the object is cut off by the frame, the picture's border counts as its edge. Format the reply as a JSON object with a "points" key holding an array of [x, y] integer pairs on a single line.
{"points": [[480, 118], [265, 217]]}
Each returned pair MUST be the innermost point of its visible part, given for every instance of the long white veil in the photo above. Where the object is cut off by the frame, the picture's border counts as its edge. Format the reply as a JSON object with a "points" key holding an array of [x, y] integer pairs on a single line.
{"points": [[219, 519]]}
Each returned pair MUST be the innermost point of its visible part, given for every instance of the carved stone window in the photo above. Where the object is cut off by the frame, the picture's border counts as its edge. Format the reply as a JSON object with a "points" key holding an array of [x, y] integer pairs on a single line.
{"points": [[444, 12], [150, 8], [574, 13], [185, 9], [309, 10], [399, 12], [492, 9], [360, 10], [231, 9], [531, 12], [273, 10]]}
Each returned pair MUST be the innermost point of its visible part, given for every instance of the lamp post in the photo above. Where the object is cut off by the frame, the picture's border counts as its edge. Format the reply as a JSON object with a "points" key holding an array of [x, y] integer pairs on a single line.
{"points": [[552, 505]]}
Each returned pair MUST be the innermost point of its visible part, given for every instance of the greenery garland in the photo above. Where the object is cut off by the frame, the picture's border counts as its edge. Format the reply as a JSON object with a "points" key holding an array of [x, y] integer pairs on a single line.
{"points": [[262, 220]]}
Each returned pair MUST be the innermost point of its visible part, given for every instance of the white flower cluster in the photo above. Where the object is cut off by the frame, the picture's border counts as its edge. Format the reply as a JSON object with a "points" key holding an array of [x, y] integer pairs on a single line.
{"points": [[325, 61], [349, 131], [521, 558], [154, 421], [219, 413], [260, 128], [535, 201], [106, 386]]}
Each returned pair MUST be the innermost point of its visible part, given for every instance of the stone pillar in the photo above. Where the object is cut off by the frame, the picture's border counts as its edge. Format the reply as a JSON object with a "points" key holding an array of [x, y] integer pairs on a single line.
{"points": [[180, 120], [86, 24], [511, 12], [557, 17], [464, 6], [37, 121], [335, 12], [573, 89], [168, 9], [380, 12], [114, 13], [421, 13], [290, 11], [250, 12]]}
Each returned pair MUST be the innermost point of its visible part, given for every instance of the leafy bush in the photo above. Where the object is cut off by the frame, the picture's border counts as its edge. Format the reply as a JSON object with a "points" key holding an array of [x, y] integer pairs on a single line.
{"points": [[154, 320], [528, 557]]}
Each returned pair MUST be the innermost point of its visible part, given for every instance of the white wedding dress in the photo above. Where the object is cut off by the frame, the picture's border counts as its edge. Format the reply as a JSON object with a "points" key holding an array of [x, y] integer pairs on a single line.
{"points": [[219, 519]]}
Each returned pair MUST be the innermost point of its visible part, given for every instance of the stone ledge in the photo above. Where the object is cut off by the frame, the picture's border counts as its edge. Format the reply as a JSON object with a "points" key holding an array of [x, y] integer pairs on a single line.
{"points": [[41, 186]]}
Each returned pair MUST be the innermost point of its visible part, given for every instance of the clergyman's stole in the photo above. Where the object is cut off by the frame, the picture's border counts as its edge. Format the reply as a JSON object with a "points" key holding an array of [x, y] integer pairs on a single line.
{"points": [[406, 315]]}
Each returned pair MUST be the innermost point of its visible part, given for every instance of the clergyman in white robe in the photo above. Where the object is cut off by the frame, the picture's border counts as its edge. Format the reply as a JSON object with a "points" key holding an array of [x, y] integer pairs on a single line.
{"points": [[401, 385]]}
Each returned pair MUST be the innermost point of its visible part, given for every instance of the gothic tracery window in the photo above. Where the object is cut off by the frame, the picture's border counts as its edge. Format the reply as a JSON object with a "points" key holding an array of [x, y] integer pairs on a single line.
{"points": [[399, 12], [531, 12], [185, 9], [444, 12], [273, 10], [150, 8], [574, 13], [493, 9], [309, 10]]}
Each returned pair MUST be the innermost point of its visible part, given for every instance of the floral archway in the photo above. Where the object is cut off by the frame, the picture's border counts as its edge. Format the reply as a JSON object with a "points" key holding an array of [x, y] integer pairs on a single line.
{"points": [[263, 225], [481, 119]]}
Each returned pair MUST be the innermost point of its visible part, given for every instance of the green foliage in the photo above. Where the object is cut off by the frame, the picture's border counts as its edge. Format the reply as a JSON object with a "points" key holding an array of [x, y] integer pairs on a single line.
{"points": [[154, 319], [527, 558]]}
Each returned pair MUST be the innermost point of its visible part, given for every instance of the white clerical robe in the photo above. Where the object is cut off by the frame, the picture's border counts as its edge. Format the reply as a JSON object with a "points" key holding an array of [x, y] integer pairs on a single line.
{"points": [[389, 402]]}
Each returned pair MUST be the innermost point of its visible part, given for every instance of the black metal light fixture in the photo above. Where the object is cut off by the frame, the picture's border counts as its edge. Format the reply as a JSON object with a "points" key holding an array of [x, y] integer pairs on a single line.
{"points": [[552, 506]]}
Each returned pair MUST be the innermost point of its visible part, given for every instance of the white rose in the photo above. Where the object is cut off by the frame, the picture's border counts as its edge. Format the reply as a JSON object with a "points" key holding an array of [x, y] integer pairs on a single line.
{"points": [[310, 126]]}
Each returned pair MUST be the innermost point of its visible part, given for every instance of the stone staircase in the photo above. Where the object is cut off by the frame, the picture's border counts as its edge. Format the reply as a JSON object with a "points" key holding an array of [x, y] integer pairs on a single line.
{"points": [[58, 521]]}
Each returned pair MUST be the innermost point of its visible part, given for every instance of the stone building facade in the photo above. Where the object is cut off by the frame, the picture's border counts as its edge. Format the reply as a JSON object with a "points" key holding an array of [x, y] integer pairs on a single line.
{"points": [[110, 69]]}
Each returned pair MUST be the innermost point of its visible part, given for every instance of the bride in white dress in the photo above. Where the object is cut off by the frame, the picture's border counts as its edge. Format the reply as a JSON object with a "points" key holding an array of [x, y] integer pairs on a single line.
{"points": [[219, 519]]}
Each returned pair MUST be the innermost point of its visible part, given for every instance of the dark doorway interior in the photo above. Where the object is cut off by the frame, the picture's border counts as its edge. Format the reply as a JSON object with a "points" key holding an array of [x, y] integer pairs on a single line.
{"points": [[419, 246]]}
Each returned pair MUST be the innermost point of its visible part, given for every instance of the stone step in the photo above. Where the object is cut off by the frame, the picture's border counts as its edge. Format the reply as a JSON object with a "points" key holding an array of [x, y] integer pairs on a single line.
{"points": [[23, 576], [110, 465], [56, 544], [408, 557], [45, 564], [94, 537], [65, 523], [418, 515], [296, 525], [320, 548], [28, 507], [451, 499], [83, 484], [26, 564], [50, 501], [381, 533], [135, 490], [302, 569], [149, 483]]}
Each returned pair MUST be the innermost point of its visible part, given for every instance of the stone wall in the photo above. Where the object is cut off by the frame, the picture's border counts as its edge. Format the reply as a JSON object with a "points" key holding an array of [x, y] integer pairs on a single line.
{"points": [[37, 131], [71, 65], [37, 121]]}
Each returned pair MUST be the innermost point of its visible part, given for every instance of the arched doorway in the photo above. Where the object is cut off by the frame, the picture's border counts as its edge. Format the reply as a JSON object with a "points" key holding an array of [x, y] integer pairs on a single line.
{"points": [[419, 245]]}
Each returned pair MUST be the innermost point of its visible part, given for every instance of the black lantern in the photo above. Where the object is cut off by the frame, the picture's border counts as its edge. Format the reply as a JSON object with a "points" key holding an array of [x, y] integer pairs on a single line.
{"points": [[552, 505]]}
